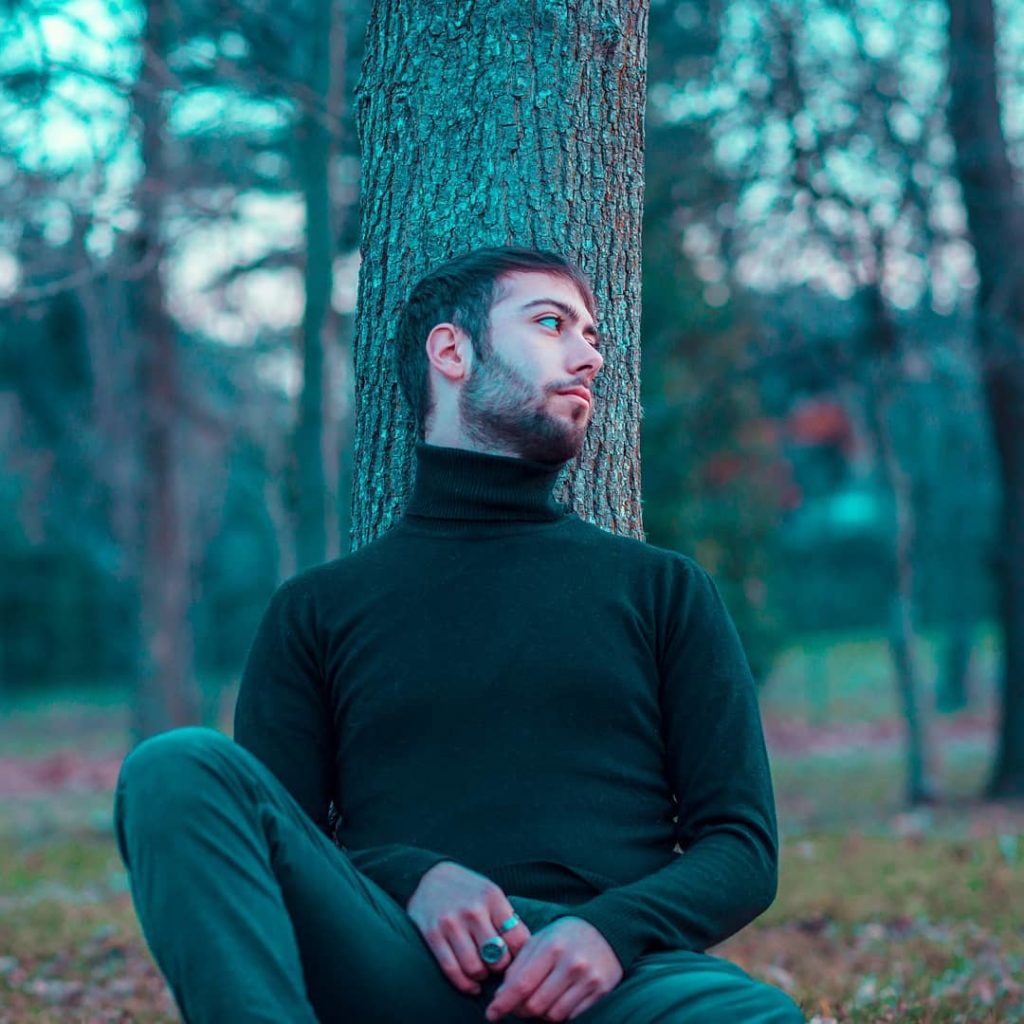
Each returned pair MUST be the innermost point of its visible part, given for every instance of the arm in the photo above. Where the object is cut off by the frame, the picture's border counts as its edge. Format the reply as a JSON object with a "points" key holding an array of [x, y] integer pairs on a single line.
{"points": [[718, 769], [283, 716], [396, 868]]}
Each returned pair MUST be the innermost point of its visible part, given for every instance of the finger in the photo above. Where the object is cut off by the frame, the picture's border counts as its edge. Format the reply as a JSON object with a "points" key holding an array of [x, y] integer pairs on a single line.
{"points": [[446, 959], [546, 994], [573, 1002], [465, 948], [512, 995], [515, 938], [481, 932], [486, 928]]}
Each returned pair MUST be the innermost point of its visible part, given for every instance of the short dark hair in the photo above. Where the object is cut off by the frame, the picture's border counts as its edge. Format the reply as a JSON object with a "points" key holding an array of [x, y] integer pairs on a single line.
{"points": [[462, 292]]}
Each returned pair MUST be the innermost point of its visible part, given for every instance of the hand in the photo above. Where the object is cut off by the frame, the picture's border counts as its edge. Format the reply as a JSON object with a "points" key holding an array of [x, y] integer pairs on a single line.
{"points": [[563, 970], [457, 911]]}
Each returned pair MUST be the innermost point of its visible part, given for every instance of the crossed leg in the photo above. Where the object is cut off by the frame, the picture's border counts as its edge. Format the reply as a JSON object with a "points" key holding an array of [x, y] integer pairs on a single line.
{"points": [[681, 987], [253, 915], [250, 911]]}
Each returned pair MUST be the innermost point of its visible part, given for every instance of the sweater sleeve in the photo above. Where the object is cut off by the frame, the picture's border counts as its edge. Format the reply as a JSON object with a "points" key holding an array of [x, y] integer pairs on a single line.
{"points": [[718, 768], [281, 713], [396, 868], [282, 716]]}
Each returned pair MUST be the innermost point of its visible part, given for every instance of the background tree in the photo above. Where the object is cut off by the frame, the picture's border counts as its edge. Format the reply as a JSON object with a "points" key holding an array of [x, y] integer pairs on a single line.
{"points": [[167, 694], [230, 499], [868, 234], [842, 187], [318, 136], [714, 485], [995, 213]]}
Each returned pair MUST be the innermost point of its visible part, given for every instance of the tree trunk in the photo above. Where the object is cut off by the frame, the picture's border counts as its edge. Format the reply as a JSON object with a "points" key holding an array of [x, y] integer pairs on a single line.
{"points": [[167, 695], [920, 778], [957, 557], [995, 217], [1005, 393], [952, 694], [920, 749], [512, 122], [115, 411], [312, 499]]}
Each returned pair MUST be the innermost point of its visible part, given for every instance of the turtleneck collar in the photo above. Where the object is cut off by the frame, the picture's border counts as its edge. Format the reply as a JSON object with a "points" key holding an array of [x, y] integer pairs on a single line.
{"points": [[456, 483]]}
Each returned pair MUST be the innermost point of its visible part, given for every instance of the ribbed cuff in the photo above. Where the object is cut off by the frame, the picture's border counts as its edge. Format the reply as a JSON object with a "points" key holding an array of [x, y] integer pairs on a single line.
{"points": [[396, 869], [619, 932]]}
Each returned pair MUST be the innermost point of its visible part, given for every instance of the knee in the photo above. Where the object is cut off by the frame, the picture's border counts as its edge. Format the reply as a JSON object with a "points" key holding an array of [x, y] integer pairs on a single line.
{"points": [[777, 1007], [161, 779], [754, 1002], [162, 773], [167, 756]]}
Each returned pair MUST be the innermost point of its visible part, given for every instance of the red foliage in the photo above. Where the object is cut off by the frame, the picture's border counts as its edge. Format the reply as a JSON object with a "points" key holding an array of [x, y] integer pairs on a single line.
{"points": [[821, 421]]}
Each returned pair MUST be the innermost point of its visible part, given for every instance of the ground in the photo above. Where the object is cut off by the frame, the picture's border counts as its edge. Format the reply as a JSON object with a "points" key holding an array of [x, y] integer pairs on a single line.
{"points": [[884, 913]]}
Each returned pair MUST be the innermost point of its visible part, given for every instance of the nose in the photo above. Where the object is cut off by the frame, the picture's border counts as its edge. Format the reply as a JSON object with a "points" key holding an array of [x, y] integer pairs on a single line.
{"points": [[584, 370], [587, 359]]}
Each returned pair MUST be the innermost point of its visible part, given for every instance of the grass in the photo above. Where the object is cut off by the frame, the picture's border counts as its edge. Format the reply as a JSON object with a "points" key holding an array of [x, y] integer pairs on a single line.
{"points": [[67, 920], [883, 914], [861, 787], [839, 677], [887, 928]]}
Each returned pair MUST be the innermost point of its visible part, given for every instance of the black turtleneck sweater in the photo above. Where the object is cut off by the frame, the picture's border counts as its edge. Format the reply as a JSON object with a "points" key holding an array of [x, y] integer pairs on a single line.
{"points": [[496, 682]]}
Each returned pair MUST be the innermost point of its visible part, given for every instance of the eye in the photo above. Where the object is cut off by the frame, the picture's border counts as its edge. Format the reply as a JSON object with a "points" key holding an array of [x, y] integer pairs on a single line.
{"points": [[559, 320]]}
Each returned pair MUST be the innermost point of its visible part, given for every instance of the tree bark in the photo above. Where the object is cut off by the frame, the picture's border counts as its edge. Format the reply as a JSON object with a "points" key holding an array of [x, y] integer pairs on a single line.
{"points": [[509, 122], [168, 695], [995, 217]]}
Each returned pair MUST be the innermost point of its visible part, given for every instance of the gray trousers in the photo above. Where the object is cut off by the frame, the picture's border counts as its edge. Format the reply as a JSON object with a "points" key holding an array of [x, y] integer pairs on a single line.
{"points": [[253, 915]]}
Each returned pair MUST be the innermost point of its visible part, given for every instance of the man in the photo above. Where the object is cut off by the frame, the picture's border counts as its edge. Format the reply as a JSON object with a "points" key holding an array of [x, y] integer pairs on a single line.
{"points": [[516, 714]]}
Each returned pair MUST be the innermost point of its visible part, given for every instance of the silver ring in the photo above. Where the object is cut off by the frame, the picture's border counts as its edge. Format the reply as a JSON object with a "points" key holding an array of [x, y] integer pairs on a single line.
{"points": [[493, 950], [509, 924]]}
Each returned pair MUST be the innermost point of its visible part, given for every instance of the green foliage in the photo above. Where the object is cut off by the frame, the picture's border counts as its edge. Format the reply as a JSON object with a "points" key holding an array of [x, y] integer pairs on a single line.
{"points": [[712, 479]]}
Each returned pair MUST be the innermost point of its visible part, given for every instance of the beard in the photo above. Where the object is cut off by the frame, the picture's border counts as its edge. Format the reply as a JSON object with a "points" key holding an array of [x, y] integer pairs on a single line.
{"points": [[500, 409]]}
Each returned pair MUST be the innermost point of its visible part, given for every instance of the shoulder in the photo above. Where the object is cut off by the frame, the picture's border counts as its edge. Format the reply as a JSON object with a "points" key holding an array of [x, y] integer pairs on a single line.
{"points": [[325, 583], [674, 564]]}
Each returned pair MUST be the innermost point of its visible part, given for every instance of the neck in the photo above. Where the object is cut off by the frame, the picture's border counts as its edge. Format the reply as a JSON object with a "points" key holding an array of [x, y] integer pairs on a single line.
{"points": [[458, 483]]}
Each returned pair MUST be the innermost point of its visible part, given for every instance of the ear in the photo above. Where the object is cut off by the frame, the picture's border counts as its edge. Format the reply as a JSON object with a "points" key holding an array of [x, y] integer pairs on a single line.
{"points": [[449, 351]]}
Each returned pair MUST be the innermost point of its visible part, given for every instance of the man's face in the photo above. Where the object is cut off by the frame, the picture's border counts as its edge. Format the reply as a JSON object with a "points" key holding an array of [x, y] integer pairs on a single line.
{"points": [[543, 342]]}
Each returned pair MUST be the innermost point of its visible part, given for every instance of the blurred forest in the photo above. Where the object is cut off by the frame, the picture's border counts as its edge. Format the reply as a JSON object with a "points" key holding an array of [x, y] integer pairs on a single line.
{"points": [[832, 362]]}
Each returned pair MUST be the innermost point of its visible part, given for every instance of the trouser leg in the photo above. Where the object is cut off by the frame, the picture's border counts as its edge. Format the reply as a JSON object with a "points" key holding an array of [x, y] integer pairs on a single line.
{"points": [[251, 913], [691, 988]]}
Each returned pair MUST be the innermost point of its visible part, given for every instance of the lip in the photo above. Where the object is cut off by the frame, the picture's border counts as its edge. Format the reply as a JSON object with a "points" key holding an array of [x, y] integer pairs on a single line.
{"points": [[577, 393]]}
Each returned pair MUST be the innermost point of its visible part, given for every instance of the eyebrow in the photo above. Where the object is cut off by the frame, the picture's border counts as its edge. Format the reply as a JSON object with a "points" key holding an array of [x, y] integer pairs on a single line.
{"points": [[568, 311]]}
